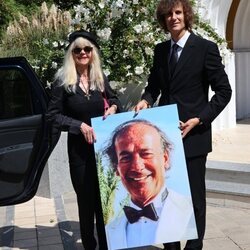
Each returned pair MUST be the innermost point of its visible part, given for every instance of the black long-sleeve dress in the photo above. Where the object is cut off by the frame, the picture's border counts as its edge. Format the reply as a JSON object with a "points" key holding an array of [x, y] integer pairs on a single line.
{"points": [[66, 112]]}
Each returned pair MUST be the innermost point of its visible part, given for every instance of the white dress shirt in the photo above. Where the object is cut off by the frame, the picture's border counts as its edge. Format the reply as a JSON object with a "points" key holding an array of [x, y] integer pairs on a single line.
{"points": [[181, 43], [145, 228]]}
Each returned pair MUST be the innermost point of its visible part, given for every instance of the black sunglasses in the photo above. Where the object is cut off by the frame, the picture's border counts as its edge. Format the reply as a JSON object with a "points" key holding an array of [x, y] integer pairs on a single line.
{"points": [[87, 49]]}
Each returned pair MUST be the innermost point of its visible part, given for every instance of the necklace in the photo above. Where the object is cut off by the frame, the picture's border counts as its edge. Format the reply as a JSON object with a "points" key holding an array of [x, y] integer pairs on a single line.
{"points": [[85, 89]]}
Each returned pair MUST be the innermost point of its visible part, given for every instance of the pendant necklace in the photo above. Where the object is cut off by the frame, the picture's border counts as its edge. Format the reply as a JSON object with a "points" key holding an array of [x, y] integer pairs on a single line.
{"points": [[86, 90]]}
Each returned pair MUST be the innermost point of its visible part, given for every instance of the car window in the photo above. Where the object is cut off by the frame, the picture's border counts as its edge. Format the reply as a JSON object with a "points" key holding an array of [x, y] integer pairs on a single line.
{"points": [[15, 95]]}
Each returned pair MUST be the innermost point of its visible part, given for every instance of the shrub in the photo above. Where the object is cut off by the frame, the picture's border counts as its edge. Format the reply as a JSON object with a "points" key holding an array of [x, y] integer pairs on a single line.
{"points": [[127, 31], [39, 38]]}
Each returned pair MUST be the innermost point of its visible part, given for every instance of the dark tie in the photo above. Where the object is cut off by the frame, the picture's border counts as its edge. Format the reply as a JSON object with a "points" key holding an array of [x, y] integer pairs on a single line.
{"points": [[134, 215], [173, 59]]}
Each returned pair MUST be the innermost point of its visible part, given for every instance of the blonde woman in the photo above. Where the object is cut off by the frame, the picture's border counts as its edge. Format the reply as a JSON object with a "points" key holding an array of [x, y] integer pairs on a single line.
{"points": [[78, 94]]}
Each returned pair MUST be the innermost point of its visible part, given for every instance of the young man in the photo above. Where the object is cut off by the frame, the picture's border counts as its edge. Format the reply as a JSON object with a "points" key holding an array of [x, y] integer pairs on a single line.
{"points": [[182, 74]]}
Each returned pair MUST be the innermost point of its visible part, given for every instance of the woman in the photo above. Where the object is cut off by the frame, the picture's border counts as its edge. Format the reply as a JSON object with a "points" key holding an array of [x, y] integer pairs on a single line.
{"points": [[78, 94]]}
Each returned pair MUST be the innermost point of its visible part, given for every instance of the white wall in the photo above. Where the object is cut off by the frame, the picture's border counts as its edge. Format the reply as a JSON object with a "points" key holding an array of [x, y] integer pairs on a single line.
{"points": [[216, 12], [241, 41]]}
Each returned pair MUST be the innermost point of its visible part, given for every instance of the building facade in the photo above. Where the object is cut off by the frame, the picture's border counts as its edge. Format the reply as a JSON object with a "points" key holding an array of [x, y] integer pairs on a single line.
{"points": [[231, 20]]}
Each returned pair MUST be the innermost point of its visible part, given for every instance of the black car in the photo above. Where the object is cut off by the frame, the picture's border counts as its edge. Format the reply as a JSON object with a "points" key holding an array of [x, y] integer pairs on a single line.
{"points": [[24, 135]]}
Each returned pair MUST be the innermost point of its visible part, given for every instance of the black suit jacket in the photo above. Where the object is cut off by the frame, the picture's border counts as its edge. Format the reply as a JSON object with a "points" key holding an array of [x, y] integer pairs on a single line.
{"points": [[199, 67]]}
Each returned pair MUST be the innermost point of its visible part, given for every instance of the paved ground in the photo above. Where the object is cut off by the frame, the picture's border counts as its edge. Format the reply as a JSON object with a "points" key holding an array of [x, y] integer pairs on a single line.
{"points": [[52, 224]]}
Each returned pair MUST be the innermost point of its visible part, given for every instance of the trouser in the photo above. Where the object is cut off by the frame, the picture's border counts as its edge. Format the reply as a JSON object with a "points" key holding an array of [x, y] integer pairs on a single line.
{"points": [[196, 167], [85, 183]]}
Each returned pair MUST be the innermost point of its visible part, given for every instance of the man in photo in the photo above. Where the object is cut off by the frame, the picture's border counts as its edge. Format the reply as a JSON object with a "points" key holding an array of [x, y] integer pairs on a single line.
{"points": [[139, 152]]}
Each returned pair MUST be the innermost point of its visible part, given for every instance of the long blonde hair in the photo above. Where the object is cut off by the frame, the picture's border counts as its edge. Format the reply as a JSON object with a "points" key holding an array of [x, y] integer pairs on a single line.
{"points": [[68, 75]]}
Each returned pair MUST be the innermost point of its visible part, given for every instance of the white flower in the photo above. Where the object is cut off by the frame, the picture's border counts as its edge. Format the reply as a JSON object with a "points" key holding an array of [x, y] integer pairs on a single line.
{"points": [[135, 1], [45, 41], [144, 10], [145, 26], [138, 28], [119, 3], [116, 13], [35, 67], [66, 44], [79, 9], [128, 67], [139, 70], [157, 41], [149, 51], [149, 37], [76, 20], [125, 51], [61, 43], [54, 65], [113, 84], [104, 33], [106, 72], [122, 90], [86, 13], [48, 84], [55, 44], [101, 4]]}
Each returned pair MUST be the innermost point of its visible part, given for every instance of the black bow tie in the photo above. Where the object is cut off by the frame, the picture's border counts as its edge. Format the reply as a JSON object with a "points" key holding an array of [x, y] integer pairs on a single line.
{"points": [[134, 215]]}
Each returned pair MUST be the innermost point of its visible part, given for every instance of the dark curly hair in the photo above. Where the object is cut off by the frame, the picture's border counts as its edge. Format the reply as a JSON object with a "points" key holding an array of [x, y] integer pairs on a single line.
{"points": [[165, 6]]}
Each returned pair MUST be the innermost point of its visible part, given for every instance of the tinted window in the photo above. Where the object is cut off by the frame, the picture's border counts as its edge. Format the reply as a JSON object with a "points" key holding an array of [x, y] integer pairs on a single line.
{"points": [[15, 96]]}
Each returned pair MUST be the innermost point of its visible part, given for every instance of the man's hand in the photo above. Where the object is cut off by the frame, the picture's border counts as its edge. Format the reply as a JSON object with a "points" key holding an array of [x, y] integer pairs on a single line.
{"points": [[188, 126]]}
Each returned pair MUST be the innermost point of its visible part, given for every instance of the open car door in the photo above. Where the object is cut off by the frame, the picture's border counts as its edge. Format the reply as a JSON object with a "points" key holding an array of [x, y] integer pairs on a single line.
{"points": [[24, 144]]}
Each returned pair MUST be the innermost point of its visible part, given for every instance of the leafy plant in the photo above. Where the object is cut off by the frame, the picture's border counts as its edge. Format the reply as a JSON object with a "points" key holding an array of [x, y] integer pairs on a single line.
{"points": [[108, 182], [127, 33], [40, 38]]}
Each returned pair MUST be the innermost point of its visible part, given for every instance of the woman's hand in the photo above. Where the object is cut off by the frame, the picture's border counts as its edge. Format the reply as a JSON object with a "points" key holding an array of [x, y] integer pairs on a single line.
{"points": [[143, 104], [110, 111], [188, 126], [88, 133]]}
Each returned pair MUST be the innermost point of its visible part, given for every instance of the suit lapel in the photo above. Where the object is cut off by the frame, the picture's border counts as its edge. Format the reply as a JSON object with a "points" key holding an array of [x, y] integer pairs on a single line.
{"points": [[175, 218], [185, 54]]}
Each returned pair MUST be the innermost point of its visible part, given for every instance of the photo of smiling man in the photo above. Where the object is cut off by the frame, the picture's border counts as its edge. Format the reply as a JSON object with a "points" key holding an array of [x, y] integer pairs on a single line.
{"points": [[158, 209]]}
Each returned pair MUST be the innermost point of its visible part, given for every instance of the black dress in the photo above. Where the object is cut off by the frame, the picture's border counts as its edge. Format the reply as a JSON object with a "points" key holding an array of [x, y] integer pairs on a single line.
{"points": [[66, 112]]}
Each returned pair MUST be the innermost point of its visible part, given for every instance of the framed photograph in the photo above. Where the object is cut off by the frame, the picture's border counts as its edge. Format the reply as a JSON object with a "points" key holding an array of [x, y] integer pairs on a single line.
{"points": [[143, 179]]}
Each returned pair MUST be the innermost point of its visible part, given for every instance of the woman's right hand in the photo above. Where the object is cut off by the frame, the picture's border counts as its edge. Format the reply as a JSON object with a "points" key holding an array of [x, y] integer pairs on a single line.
{"points": [[88, 133]]}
